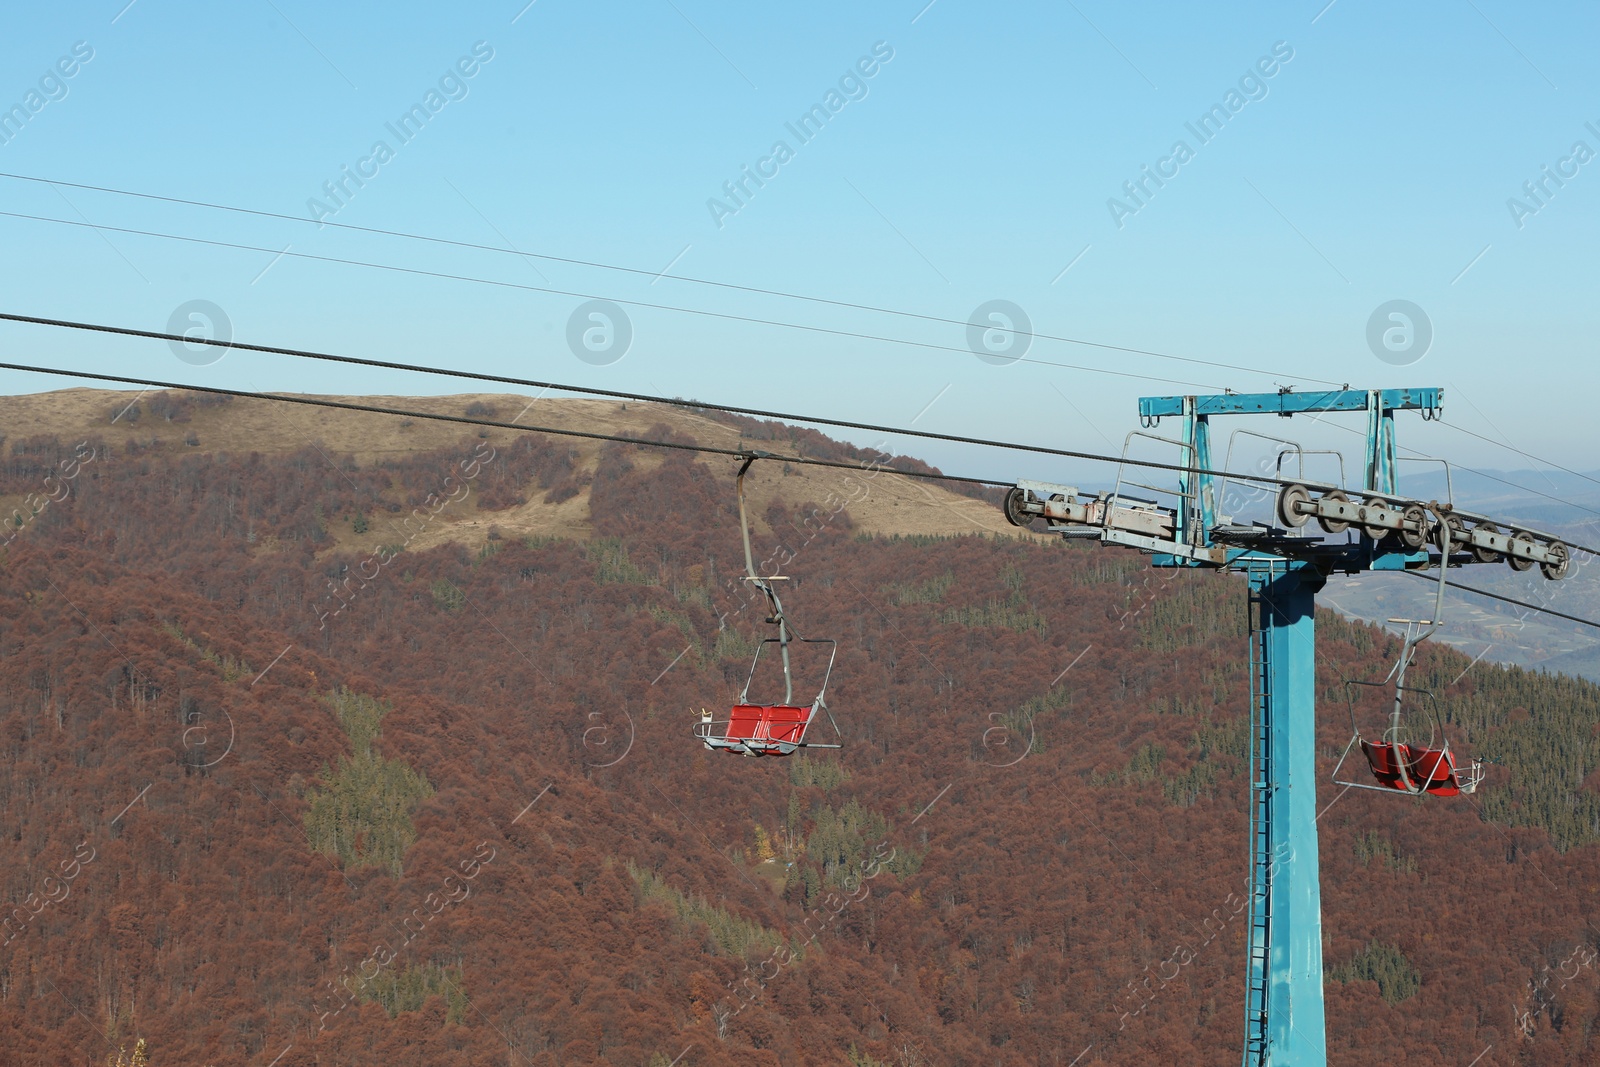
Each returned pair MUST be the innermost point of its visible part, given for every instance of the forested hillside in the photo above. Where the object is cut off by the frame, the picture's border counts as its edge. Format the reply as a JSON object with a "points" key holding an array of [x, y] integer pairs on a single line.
{"points": [[291, 778]]}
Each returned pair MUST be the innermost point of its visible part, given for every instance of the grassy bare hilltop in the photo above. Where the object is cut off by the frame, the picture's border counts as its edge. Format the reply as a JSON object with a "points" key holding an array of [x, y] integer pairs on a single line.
{"points": [[242, 426]]}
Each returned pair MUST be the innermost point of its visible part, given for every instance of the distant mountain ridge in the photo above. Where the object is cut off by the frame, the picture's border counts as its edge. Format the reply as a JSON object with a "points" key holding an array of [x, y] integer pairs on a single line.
{"points": [[1520, 495]]}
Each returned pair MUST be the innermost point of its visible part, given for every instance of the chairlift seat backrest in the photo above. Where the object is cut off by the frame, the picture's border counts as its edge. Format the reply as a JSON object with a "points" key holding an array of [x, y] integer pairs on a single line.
{"points": [[779, 723], [1429, 769]]}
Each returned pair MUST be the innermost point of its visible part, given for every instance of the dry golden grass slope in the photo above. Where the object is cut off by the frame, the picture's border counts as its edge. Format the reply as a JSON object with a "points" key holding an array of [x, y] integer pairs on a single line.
{"points": [[893, 505]]}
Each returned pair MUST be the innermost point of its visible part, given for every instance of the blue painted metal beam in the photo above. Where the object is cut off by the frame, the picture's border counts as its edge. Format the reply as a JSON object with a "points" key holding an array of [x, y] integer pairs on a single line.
{"points": [[1429, 399], [1341, 559], [1284, 1021]]}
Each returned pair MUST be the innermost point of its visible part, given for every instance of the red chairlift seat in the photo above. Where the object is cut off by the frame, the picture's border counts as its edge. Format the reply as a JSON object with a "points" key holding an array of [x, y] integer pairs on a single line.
{"points": [[760, 730], [1415, 769]]}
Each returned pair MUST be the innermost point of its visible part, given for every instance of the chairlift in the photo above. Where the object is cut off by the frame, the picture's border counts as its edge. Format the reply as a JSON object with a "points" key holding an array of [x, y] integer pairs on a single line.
{"points": [[1400, 763], [768, 729]]}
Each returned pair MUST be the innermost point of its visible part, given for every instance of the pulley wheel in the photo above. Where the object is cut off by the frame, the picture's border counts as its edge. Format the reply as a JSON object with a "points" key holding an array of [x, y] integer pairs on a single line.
{"points": [[1454, 529], [1485, 555], [1288, 510], [1414, 539], [1012, 507], [1334, 526], [1521, 537], [1377, 533], [1557, 570]]}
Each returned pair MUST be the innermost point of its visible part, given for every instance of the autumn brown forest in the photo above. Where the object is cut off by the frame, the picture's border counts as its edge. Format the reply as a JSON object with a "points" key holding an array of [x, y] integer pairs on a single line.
{"points": [[329, 746]]}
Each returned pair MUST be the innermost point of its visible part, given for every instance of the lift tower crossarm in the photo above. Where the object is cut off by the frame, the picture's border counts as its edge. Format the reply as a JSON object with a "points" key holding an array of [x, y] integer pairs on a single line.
{"points": [[1289, 403], [1197, 488]]}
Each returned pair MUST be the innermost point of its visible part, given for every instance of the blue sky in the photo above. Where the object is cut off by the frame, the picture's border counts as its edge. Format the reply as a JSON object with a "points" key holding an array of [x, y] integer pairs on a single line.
{"points": [[976, 163]]}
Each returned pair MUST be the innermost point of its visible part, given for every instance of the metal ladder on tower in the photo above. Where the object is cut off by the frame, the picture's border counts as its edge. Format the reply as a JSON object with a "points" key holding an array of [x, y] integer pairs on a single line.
{"points": [[1261, 855]]}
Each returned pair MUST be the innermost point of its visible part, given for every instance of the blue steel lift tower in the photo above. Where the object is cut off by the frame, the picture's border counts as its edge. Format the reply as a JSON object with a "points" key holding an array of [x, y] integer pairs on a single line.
{"points": [[1285, 567]]}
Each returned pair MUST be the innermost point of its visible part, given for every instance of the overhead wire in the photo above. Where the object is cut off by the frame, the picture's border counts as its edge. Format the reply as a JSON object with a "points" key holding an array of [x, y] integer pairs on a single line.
{"points": [[323, 402], [470, 420], [1523, 488], [702, 281], [815, 461], [1513, 448], [1417, 455], [657, 275], [653, 275], [128, 331], [1508, 600], [729, 316]]}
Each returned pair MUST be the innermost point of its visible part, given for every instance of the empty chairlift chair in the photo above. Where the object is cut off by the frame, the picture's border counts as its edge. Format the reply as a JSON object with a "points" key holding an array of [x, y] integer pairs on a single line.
{"points": [[1397, 763], [781, 729]]}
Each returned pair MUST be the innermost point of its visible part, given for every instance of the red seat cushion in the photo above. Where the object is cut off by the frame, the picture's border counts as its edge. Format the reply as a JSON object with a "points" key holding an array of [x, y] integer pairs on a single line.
{"points": [[1433, 769], [768, 722], [744, 722]]}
